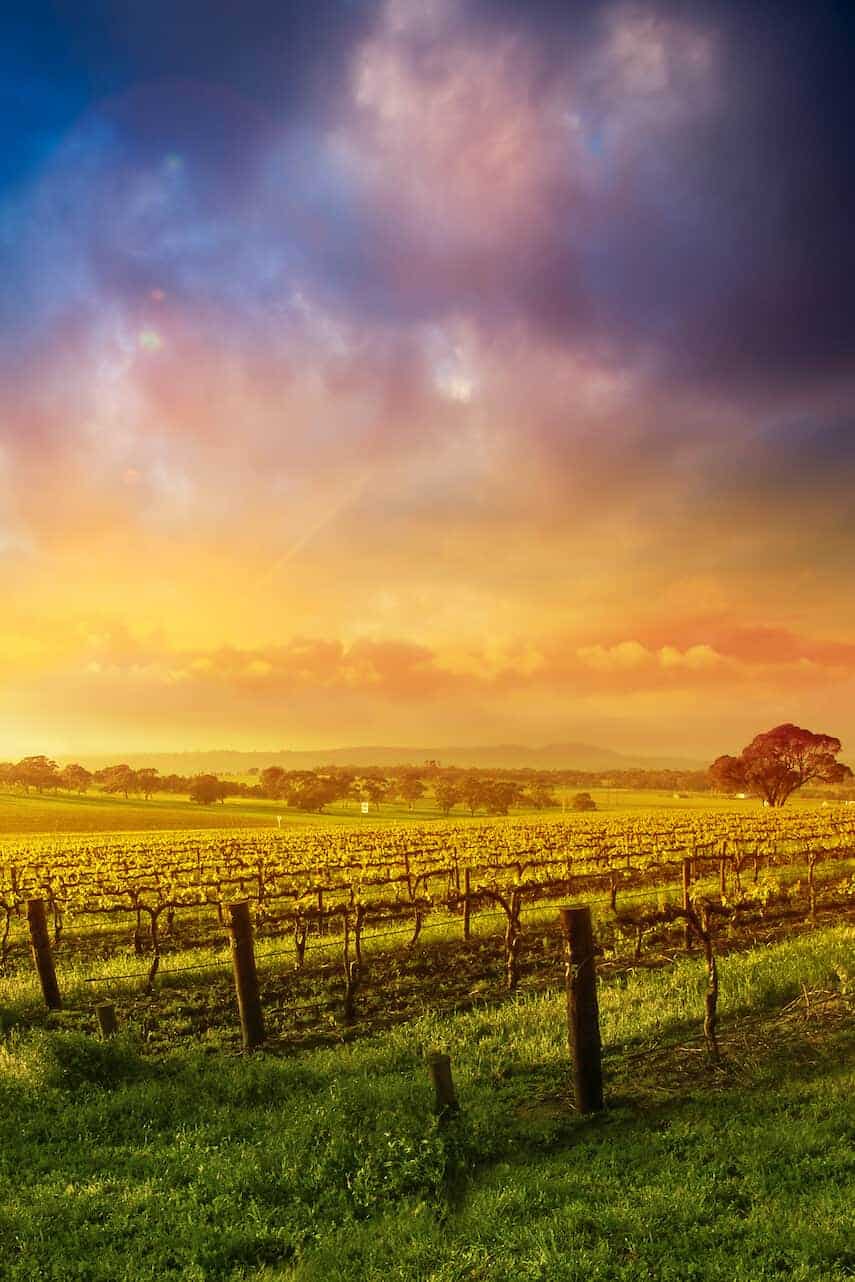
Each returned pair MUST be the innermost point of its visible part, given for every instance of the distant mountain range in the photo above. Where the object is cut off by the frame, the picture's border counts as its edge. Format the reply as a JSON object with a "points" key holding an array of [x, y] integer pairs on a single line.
{"points": [[555, 756]]}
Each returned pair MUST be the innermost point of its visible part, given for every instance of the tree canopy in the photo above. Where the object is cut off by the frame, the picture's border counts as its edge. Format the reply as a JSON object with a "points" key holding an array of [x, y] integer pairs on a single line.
{"points": [[584, 801], [778, 762], [207, 789]]}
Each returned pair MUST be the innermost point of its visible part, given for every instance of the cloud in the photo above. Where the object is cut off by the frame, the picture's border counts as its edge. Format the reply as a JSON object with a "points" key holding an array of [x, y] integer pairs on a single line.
{"points": [[393, 668], [504, 350], [146, 690], [624, 656], [623, 152]]}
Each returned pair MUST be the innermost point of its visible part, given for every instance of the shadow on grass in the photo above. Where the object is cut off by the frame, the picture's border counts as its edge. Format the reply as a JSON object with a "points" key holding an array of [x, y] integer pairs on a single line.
{"points": [[785, 1048], [742, 1171]]}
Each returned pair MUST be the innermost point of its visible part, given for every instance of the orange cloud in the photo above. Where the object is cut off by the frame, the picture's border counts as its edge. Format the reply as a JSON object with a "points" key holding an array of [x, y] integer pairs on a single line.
{"points": [[402, 669], [109, 689]]}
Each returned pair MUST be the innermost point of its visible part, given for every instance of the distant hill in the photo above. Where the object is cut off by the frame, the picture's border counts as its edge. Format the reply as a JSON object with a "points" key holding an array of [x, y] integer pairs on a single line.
{"points": [[556, 756]]}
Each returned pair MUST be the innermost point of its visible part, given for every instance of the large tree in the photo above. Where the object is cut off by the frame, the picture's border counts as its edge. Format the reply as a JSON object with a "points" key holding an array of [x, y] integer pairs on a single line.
{"points": [[498, 795], [374, 788], [410, 789], [148, 781], [447, 793], [274, 782], [778, 762], [207, 789], [120, 778], [75, 778], [37, 772], [318, 791]]}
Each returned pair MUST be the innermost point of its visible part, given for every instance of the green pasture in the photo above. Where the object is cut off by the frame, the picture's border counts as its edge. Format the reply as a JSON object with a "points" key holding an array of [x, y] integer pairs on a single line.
{"points": [[99, 812], [119, 1163]]}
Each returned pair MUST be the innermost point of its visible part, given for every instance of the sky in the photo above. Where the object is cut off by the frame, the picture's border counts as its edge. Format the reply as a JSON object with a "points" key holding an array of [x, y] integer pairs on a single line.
{"points": [[425, 372]]}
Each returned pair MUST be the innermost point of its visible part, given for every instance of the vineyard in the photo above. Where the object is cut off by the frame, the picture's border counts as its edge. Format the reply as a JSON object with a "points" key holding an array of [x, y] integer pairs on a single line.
{"points": [[160, 903], [447, 1137]]}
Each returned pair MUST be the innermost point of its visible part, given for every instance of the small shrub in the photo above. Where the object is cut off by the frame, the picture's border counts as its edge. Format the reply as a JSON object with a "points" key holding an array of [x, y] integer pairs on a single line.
{"points": [[584, 801], [63, 1060], [396, 1166]]}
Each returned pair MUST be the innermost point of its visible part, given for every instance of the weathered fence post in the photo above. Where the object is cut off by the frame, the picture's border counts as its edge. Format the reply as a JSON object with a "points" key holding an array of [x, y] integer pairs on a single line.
{"points": [[467, 886], [687, 900], [813, 855], [357, 933], [352, 977], [512, 941], [246, 976], [583, 1018], [439, 1067], [301, 930], [107, 1021], [42, 955]]}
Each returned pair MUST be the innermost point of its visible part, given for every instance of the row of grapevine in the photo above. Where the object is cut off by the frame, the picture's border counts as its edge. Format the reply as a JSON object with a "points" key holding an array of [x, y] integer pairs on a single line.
{"points": [[304, 880]]}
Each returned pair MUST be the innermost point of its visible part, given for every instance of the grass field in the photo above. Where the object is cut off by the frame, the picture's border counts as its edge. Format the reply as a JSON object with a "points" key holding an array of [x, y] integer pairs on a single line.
{"points": [[120, 1164], [98, 812]]}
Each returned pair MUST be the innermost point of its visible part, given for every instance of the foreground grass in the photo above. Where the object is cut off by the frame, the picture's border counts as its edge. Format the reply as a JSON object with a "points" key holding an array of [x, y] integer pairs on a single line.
{"points": [[116, 1165]]}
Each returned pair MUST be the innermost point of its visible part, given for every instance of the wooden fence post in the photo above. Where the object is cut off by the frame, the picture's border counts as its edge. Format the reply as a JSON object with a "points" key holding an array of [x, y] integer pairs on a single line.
{"points": [[246, 976], [107, 1022], [352, 976], [583, 1019], [467, 886], [711, 997], [687, 900], [42, 955], [512, 941], [439, 1067]]}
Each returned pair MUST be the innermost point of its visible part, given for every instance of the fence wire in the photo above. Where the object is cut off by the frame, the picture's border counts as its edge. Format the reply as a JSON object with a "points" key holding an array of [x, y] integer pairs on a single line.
{"points": [[337, 941]]}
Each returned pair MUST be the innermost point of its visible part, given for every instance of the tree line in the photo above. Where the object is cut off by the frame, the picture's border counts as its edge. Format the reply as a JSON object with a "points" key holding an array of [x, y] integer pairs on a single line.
{"points": [[773, 766], [42, 775], [453, 788]]}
